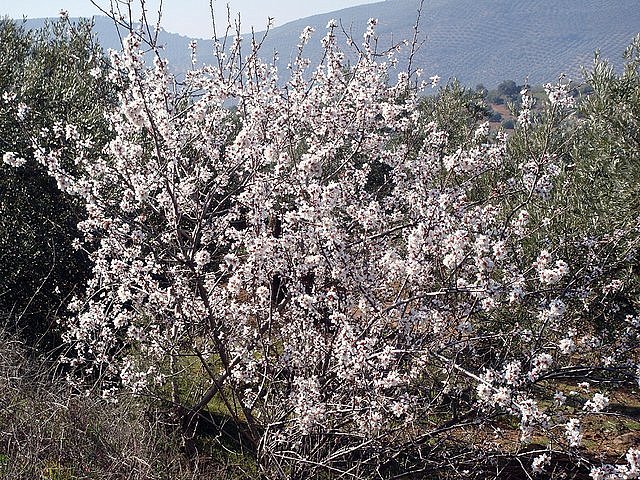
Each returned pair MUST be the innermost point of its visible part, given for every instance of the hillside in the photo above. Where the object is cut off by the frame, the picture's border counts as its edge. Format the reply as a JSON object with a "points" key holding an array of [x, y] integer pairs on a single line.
{"points": [[488, 41], [477, 42]]}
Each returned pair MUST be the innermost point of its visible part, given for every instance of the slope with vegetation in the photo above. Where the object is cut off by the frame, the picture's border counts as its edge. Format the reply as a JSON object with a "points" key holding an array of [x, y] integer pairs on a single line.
{"points": [[476, 42]]}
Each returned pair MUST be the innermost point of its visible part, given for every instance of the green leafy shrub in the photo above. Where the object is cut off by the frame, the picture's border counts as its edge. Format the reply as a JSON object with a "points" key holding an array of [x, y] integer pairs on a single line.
{"points": [[46, 77]]}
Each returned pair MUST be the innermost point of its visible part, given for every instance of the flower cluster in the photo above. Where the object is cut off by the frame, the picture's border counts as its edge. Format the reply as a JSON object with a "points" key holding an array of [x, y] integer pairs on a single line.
{"points": [[619, 472]]}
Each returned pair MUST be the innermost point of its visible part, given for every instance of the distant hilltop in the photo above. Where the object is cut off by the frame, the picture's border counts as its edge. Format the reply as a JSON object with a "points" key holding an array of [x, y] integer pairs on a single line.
{"points": [[476, 41]]}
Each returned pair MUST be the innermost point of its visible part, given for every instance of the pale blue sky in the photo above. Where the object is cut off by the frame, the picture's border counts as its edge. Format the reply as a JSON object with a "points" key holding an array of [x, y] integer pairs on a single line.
{"points": [[188, 17]]}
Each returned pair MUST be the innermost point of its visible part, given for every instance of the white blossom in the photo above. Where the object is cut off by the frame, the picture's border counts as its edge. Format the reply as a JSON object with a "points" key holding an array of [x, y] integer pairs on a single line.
{"points": [[12, 159], [540, 462]]}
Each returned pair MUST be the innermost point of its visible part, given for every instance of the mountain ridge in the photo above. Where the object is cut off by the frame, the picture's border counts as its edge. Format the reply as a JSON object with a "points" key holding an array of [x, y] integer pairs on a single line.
{"points": [[476, 42]]}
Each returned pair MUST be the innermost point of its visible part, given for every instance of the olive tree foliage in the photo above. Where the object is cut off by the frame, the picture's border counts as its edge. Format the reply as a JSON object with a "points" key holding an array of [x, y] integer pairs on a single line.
{"points": [[243, 259], [457, 111], [611, 133], [46, 84]]}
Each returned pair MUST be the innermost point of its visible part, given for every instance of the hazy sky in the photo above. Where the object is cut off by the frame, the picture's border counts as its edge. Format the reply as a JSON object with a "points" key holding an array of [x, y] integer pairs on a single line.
{"points": [[188, 17]]}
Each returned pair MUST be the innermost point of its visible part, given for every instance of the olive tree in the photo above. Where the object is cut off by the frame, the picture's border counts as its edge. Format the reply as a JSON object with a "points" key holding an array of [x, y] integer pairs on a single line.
{"points": [[49, 78]]}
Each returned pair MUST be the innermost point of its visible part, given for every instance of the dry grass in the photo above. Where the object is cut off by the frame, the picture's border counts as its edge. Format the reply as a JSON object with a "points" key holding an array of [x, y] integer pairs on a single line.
{"points": [[49, 431]]}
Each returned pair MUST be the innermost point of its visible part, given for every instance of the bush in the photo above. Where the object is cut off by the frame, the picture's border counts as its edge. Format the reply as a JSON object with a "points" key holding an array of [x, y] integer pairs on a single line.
{"points": [[508, 88], [457, 111], [50, 431], [45, 81], [508, 124], [495, 116]]}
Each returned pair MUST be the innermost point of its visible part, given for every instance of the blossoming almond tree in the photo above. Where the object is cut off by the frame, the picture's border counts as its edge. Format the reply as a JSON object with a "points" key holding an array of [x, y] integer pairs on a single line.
{"points": [[308, 255]]}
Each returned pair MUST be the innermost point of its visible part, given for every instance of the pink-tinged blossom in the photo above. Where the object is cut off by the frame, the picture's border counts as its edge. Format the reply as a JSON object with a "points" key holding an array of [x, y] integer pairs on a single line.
{"points": [[13, 160], [549, 273], [22, 110], [309, 409], [567, 346], [502, 397], [597, 404], [619, 472], [8, 97], [559, 399], [540, 364], [484, 392], [331, 24], [539, 463], [306, 34], [202, 258], [512, 373], [521, 221], [573, 432], [559, 94]]}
